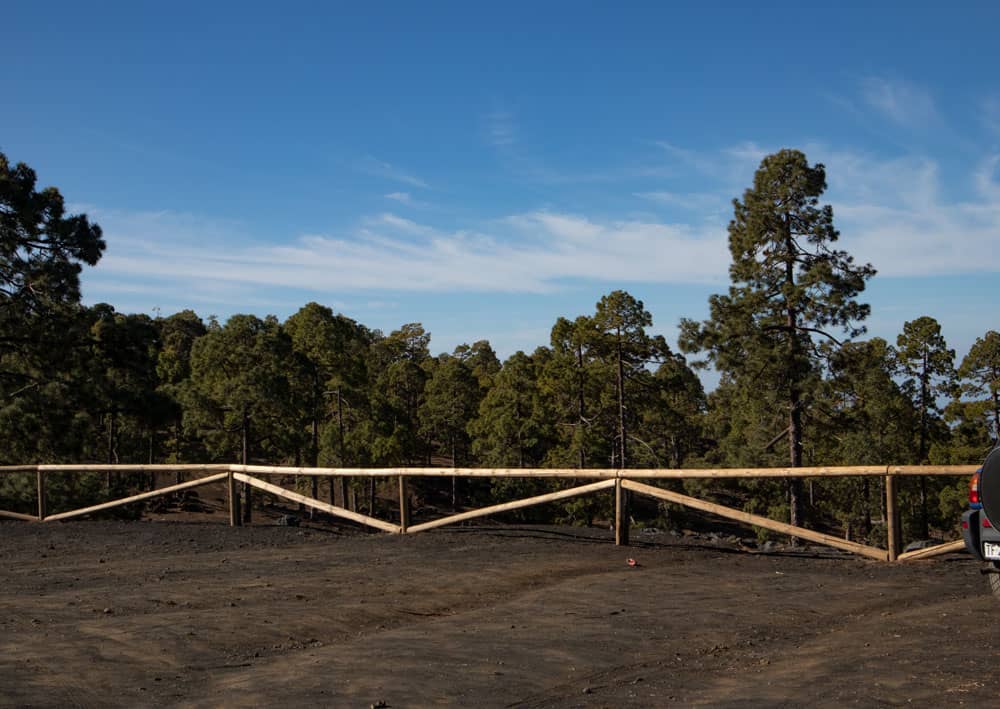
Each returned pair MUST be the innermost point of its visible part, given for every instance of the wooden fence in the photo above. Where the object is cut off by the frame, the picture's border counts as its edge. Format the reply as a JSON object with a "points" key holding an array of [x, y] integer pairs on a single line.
{"points": [[622, 481]]}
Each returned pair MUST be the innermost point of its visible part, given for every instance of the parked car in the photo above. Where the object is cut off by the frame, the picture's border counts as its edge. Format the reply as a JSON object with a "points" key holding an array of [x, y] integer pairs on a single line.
{"points": [[981, 536]]}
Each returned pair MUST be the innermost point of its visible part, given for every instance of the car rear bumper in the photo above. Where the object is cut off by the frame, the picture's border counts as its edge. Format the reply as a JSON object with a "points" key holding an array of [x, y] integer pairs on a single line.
{"points": [[975, 534]]}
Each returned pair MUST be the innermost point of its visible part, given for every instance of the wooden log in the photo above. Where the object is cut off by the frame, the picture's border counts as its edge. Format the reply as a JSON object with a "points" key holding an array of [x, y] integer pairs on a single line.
{"points": [[931, 469], [695, 473], [928, 552], [582, 473], [18, 515], [18, 468], [601, 473], [515, 505], [234, 501], [404, 506], [312, 502], [134, 468], [611, 473], [136, 498], [757, 520], [621, 515], [40, 493], [893, 526]]}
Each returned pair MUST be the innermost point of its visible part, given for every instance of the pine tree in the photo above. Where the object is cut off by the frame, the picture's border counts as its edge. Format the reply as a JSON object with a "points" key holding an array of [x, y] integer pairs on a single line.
{"points": [[980, 377], [791, 290]]}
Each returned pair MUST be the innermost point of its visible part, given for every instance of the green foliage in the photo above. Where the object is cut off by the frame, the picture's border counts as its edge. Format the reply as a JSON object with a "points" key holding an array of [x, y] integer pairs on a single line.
{"points": [[979, 374], [928, 367], [789, 287], [91, 384], [240, 393]]}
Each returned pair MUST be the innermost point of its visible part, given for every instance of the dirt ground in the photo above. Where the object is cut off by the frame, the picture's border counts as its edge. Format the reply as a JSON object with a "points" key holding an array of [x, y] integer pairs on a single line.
{"points": [[99, 613]]}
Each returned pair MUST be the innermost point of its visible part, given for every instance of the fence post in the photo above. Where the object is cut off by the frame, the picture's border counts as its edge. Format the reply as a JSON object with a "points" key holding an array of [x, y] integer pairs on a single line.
{"points": [[40, 484], [234, 506], [404, 506], [621, 514], [894, 541]]}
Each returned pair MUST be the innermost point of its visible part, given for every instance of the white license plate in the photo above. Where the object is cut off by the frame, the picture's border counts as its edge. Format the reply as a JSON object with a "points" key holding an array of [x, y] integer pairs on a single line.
{"points": [[991, 551]]}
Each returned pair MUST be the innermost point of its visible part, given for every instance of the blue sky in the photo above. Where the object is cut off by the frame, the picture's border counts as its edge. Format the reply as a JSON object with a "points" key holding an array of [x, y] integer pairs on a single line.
{"points": [[486, 169]]}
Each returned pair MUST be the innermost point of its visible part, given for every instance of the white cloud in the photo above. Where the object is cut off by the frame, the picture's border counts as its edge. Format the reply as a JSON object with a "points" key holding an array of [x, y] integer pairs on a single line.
{"points": [[710, 202], [405, 198], [500, 129], [379, 168], [893, 213], [990, 113], [903, 103], [529, 253]]}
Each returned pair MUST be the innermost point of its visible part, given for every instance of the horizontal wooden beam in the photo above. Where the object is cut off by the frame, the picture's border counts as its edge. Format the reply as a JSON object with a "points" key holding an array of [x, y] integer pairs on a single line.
{"points": [[136, 498], [515, 505], [316, 504], [936, 550], [932, 469], [18, 515], [756, 520], [581, 473], [601, 473], [136, 468], [825, 471]]}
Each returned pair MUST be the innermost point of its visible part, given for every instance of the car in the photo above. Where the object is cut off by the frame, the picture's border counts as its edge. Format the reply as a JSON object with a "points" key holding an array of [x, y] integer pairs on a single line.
{"points": [[982, 538]]}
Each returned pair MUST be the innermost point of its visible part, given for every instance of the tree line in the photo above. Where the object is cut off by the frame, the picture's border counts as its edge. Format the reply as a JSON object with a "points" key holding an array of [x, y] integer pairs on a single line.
{"points": [[799, 383]]}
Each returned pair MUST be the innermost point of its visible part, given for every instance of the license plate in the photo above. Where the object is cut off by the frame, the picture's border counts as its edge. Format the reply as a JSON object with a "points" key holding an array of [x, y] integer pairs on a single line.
{"points": [[991, 551]]}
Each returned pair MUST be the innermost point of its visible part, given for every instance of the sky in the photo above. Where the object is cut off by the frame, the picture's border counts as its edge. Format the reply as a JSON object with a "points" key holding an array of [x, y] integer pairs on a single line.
{"points": [[484, 169]]}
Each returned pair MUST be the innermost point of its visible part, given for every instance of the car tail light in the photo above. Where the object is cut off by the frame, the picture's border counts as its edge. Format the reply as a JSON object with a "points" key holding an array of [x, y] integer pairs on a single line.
{"points": [[986, 522], [974, 489]]}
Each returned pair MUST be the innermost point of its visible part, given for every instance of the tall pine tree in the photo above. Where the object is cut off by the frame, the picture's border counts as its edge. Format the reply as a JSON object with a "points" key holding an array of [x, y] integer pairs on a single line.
{"points": [[790, 291]]}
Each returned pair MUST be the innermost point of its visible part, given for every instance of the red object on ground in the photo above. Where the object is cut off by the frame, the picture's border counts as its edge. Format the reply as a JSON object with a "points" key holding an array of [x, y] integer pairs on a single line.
{"points": [[633, 562]]}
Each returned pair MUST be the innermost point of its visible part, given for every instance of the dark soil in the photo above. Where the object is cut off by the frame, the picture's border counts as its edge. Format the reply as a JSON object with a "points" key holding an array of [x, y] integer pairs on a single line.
{"points": [[199, 614]]}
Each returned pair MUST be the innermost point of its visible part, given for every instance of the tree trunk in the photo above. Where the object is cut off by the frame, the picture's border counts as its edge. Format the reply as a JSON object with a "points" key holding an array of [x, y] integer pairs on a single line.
{"points": [[245, 457], [924, 399], [622, 459], [343, 460], [623, 441], [314, 461], [178, 476], [581, 411], [454, 480], [112, 421], [996, 411], [794, 395], [152, 475]]}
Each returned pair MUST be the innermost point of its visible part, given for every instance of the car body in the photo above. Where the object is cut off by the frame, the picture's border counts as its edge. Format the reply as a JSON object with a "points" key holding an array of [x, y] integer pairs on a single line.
{"points": [[982, 538]]}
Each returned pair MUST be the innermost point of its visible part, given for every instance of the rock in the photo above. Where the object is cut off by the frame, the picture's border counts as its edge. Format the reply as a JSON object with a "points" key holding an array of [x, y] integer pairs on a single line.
{"points": [[922, 544]]}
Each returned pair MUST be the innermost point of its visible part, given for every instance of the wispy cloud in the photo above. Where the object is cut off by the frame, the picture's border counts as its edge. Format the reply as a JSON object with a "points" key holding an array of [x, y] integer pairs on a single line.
{"points": [[990, 113], [379, 168], [501, 130], [530, 253], [704, 202], [893, 213], [405, 198], [903, 103]]}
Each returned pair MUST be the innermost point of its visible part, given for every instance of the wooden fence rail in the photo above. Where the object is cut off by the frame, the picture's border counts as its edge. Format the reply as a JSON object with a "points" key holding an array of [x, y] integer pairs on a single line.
{"points": [[622, 481]]}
